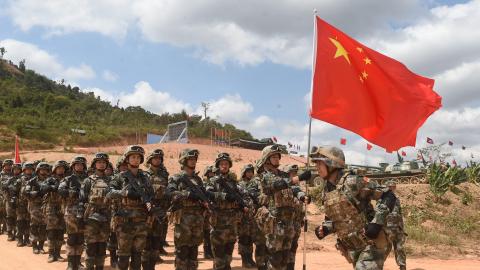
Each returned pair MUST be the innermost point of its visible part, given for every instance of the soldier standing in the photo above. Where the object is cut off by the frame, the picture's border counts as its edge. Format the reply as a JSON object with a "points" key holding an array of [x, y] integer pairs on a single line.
{"points": [[4, 175], [11, 199], [208, 173], [247, 228], [276, 217], [157, 221], [23, 217], [38, 226], [395, 230], [191, 201], [52, 207], [69, 189], [135, 191], [97, 213], [350, 214], [229, 206]]}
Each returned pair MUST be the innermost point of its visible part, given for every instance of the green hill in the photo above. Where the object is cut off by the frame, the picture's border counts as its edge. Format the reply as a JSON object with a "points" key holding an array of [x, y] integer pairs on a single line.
{"points": [[44, 112]]}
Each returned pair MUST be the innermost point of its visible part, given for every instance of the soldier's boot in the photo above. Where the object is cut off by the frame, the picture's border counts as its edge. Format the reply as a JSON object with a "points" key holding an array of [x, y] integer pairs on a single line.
{"points": [[193, 258], [136, 261], [403, 267], [123, 262], [89, 263], [78, 263], [247, 261], [290, 266], [71, 262], [51, 255], [11, 236], [113, 258], [58, 250], [162, 251], [207, 252], [20, 241], [99, 262], [147, 264], [40, 247], [35, 247]]}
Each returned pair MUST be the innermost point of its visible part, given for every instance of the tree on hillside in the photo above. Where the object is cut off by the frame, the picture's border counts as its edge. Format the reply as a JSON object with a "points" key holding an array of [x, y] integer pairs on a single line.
{"points": [[2, 51], [21, 65], [205, 107]]}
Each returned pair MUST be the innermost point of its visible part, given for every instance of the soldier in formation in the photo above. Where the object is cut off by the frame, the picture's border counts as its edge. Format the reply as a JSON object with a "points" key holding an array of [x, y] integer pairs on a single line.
{"points": [[247, 228], [23, 217], [5, 174], [395, 230], [208, 173]]}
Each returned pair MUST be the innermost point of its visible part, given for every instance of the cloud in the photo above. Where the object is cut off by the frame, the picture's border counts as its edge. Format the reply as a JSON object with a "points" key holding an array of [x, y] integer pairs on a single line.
{"points": [[109, 76], [43, 62]]}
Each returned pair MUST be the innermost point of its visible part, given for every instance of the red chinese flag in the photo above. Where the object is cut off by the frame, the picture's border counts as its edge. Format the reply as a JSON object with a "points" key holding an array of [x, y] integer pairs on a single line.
{"points": [[17, 150], [343, 141], [359, 89], [404, 154], [369, 147]]}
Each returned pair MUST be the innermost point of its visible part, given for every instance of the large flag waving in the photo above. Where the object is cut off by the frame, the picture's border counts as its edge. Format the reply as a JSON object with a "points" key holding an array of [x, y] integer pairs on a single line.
{"points": [[359, 89]]}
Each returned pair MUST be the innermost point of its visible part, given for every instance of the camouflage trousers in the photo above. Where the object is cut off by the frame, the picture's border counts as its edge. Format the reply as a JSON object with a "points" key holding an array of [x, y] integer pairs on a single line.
{"points": [[260, 247], [398, 243], [370, 258], [293, 249], [222, 238], [23, 222], [96, 231], [38, 232], [3, 217], [11, 210], [55, 239], [188, 235], [279, 243], [75, 244], [131, 237], [153, 243], [246, 235]]}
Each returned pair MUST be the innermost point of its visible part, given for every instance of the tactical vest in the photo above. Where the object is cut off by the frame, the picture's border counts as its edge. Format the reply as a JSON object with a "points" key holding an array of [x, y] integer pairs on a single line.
{"points": [[281, 198], [224, 204], [394, 220], [98, 190], [348, 221], [159, 186]]}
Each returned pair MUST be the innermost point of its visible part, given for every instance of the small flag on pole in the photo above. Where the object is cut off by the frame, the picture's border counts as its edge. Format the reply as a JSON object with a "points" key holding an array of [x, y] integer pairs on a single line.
{"points": [[17, 150], [429, 140], [404, 153], [369, 147], [343, 141], [450, 143], [463, 147]]}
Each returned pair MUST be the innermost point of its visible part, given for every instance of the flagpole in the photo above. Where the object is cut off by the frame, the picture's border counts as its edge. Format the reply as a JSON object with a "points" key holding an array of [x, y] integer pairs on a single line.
{"points": [[305, 221]]}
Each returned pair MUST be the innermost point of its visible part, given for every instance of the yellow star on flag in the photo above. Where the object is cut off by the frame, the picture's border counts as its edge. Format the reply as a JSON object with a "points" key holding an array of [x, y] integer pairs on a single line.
{"points": [[340, 50], [367, 61], [359, 49], [364, 74]]}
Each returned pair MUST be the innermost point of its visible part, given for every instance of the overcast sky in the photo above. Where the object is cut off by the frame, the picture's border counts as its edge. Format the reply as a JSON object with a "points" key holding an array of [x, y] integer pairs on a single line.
{"points": [[251, 60]]}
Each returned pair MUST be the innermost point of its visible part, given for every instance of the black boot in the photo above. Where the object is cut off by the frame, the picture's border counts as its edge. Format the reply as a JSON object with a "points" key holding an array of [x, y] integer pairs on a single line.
{"points": [[71, 262], [51, 255], [136, 261], [162, 251], [35, 247], [40, 247], [123, 262], [290, 266], [113, 258], [247, 261], [207, 252], [403, 267], [20, 242], [11, 236]]}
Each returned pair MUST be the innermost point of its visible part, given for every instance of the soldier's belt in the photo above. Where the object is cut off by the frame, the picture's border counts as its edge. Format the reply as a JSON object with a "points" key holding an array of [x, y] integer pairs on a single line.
{"points": [[130, 202]]}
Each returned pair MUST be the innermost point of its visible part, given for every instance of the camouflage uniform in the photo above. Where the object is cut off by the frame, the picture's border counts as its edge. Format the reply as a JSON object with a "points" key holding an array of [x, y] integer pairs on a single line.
{"points": [[70, 189], [396, 233], [11, 200], [5, 174], [38, 226], [247, 228], [208, 173], [225, 219], [97, 215], [188, 216], [135, 192], [52, 210], [115, 205], [351, 216], [23, 217], [158, 219]]}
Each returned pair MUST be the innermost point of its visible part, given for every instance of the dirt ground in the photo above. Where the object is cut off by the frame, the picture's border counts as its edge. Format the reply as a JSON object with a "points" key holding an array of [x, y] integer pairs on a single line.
{"points": [[320, 254]]}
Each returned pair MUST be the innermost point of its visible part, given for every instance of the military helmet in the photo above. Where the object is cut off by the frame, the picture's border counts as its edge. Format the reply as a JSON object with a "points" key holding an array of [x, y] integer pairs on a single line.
{"points": [[155, 153], [186, 154], [120, 162], [7, 162], [331, 155], [267, 152], [99, 156], [223, 156], [17, 166], [248, 167], [391, 183], [78, 160], [134, 149], [59, 163], [42, 165], [290, 168], [208, 169], [28, 165]]}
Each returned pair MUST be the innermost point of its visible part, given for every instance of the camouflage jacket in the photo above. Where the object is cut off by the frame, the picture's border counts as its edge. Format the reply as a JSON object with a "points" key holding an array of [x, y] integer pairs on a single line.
{"points": [[220, 192], [50, 189], [179, 192], [70, 188], [159, 181]]}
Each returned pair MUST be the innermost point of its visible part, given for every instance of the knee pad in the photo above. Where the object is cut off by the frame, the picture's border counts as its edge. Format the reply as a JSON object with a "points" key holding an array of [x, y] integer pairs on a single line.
{"points": [[182, 253]]}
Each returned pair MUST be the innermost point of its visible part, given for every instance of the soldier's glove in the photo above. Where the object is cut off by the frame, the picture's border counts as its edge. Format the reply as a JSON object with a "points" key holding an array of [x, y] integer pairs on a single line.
{"points": [[280, 185], [229, 197], [133, 195], [306, 175], [372, 230]]}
